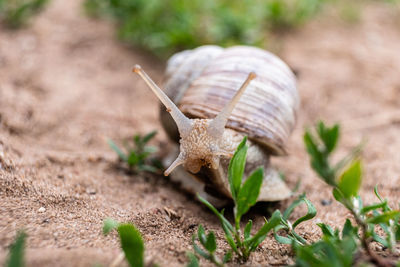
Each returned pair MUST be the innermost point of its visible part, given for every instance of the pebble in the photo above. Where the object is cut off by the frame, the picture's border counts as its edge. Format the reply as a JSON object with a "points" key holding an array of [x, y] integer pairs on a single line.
{"points": [[42, 209], [326, 202]]}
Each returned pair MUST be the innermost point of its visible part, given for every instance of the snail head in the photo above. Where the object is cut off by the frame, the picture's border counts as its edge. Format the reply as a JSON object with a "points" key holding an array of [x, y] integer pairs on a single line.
{"points": [[200, 138]]}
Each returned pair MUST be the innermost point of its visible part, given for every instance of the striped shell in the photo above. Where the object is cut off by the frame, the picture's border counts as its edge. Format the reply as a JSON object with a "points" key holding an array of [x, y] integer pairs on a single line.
{"points": [[201, 81]]}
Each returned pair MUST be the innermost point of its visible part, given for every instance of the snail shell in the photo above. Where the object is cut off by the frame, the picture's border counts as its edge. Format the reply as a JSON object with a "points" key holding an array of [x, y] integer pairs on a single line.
{"points": [[202, 82]]}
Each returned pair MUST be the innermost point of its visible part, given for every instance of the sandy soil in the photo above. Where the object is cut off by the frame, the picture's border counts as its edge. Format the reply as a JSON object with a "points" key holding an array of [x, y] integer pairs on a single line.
{"points": [[66, 86]]}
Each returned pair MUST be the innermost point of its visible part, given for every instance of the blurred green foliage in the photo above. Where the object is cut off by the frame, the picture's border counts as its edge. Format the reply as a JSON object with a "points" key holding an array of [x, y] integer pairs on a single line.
{"points": [[167, 26], [16, 13]]}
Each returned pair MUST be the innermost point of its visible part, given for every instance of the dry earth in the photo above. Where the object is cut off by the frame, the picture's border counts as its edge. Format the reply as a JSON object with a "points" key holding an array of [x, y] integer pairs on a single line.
{"points": [[66, 86]]}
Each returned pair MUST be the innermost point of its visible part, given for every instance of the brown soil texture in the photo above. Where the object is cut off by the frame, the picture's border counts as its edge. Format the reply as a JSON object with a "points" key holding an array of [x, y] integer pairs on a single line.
{"points": [[66, 86]]}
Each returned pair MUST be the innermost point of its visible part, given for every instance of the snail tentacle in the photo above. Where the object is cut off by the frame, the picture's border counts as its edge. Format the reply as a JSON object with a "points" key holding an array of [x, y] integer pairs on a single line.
{"points": [[217, 125], [184, 124], [178, 161]]}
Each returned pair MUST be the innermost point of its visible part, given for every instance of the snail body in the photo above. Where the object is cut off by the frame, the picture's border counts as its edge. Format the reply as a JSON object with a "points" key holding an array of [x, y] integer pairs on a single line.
{"points": [[215, 97]]}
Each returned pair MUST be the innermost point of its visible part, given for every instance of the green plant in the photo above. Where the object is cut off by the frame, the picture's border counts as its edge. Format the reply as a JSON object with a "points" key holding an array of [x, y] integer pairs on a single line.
{"points": [[334, 248], [289, 228], [16, 13], [284, 14], [244, 196], [167, 26], [130, 239], [137, 154], [345, 177], [16, 257], [210, 245]]}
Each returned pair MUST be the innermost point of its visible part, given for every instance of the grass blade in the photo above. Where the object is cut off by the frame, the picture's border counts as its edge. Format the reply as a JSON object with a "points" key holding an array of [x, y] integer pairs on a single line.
{"points": [[268, 226], [247, 229], [114, 147], [224, 222], [132, 244], [16, 256]]}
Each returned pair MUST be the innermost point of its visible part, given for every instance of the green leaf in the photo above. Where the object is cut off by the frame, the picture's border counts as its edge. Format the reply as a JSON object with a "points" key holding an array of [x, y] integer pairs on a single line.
{"points": [[16, 256], [354, 154], [193, 261], [247, 229], [132, 244], [137, 139], [133, 159], [311, 146], [379, 239], [319, 160], [255, 240], [384, 217], [114, 147], [201, 234], [231, 241], [225, 223], [199, 250], [329, 136], [350, 181], [311, 210], [292, 206], [236, 168], [367, 209], [305, 256], [326, 229], [377, 193], [211, 244], [349, 229], [148, 137], [249, 192], [109, 225], [282, 239], [337, 194], [227, 256], [147, 150]]}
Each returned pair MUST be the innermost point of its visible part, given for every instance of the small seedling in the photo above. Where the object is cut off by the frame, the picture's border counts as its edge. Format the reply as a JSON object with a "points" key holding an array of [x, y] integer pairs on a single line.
{"points": [[16, 13], [333, 249], [345, 177], [137, 155], [16, 257], [210, 245], [289, 228], [244, 196]]}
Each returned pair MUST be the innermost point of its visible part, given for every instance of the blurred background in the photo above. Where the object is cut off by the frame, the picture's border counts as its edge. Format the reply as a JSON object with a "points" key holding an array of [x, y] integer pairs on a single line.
{"points": [[66, 86], [164, 27]]}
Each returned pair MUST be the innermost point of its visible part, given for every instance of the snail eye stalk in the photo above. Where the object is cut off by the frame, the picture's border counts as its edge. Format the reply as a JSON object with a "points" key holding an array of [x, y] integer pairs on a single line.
{"points": [[217, 125], [184, 124]]}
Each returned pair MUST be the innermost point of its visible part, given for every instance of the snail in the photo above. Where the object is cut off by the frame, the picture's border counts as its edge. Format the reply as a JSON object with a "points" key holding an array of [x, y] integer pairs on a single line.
{"points": [[214, 97]]}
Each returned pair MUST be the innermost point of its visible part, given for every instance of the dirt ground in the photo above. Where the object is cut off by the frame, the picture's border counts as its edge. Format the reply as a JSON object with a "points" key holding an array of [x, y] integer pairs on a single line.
{"points": [[66, 86]]}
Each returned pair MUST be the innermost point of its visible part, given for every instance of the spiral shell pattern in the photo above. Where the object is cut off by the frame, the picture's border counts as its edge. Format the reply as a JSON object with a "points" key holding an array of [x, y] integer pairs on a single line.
{"points": [[202, 81]]}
